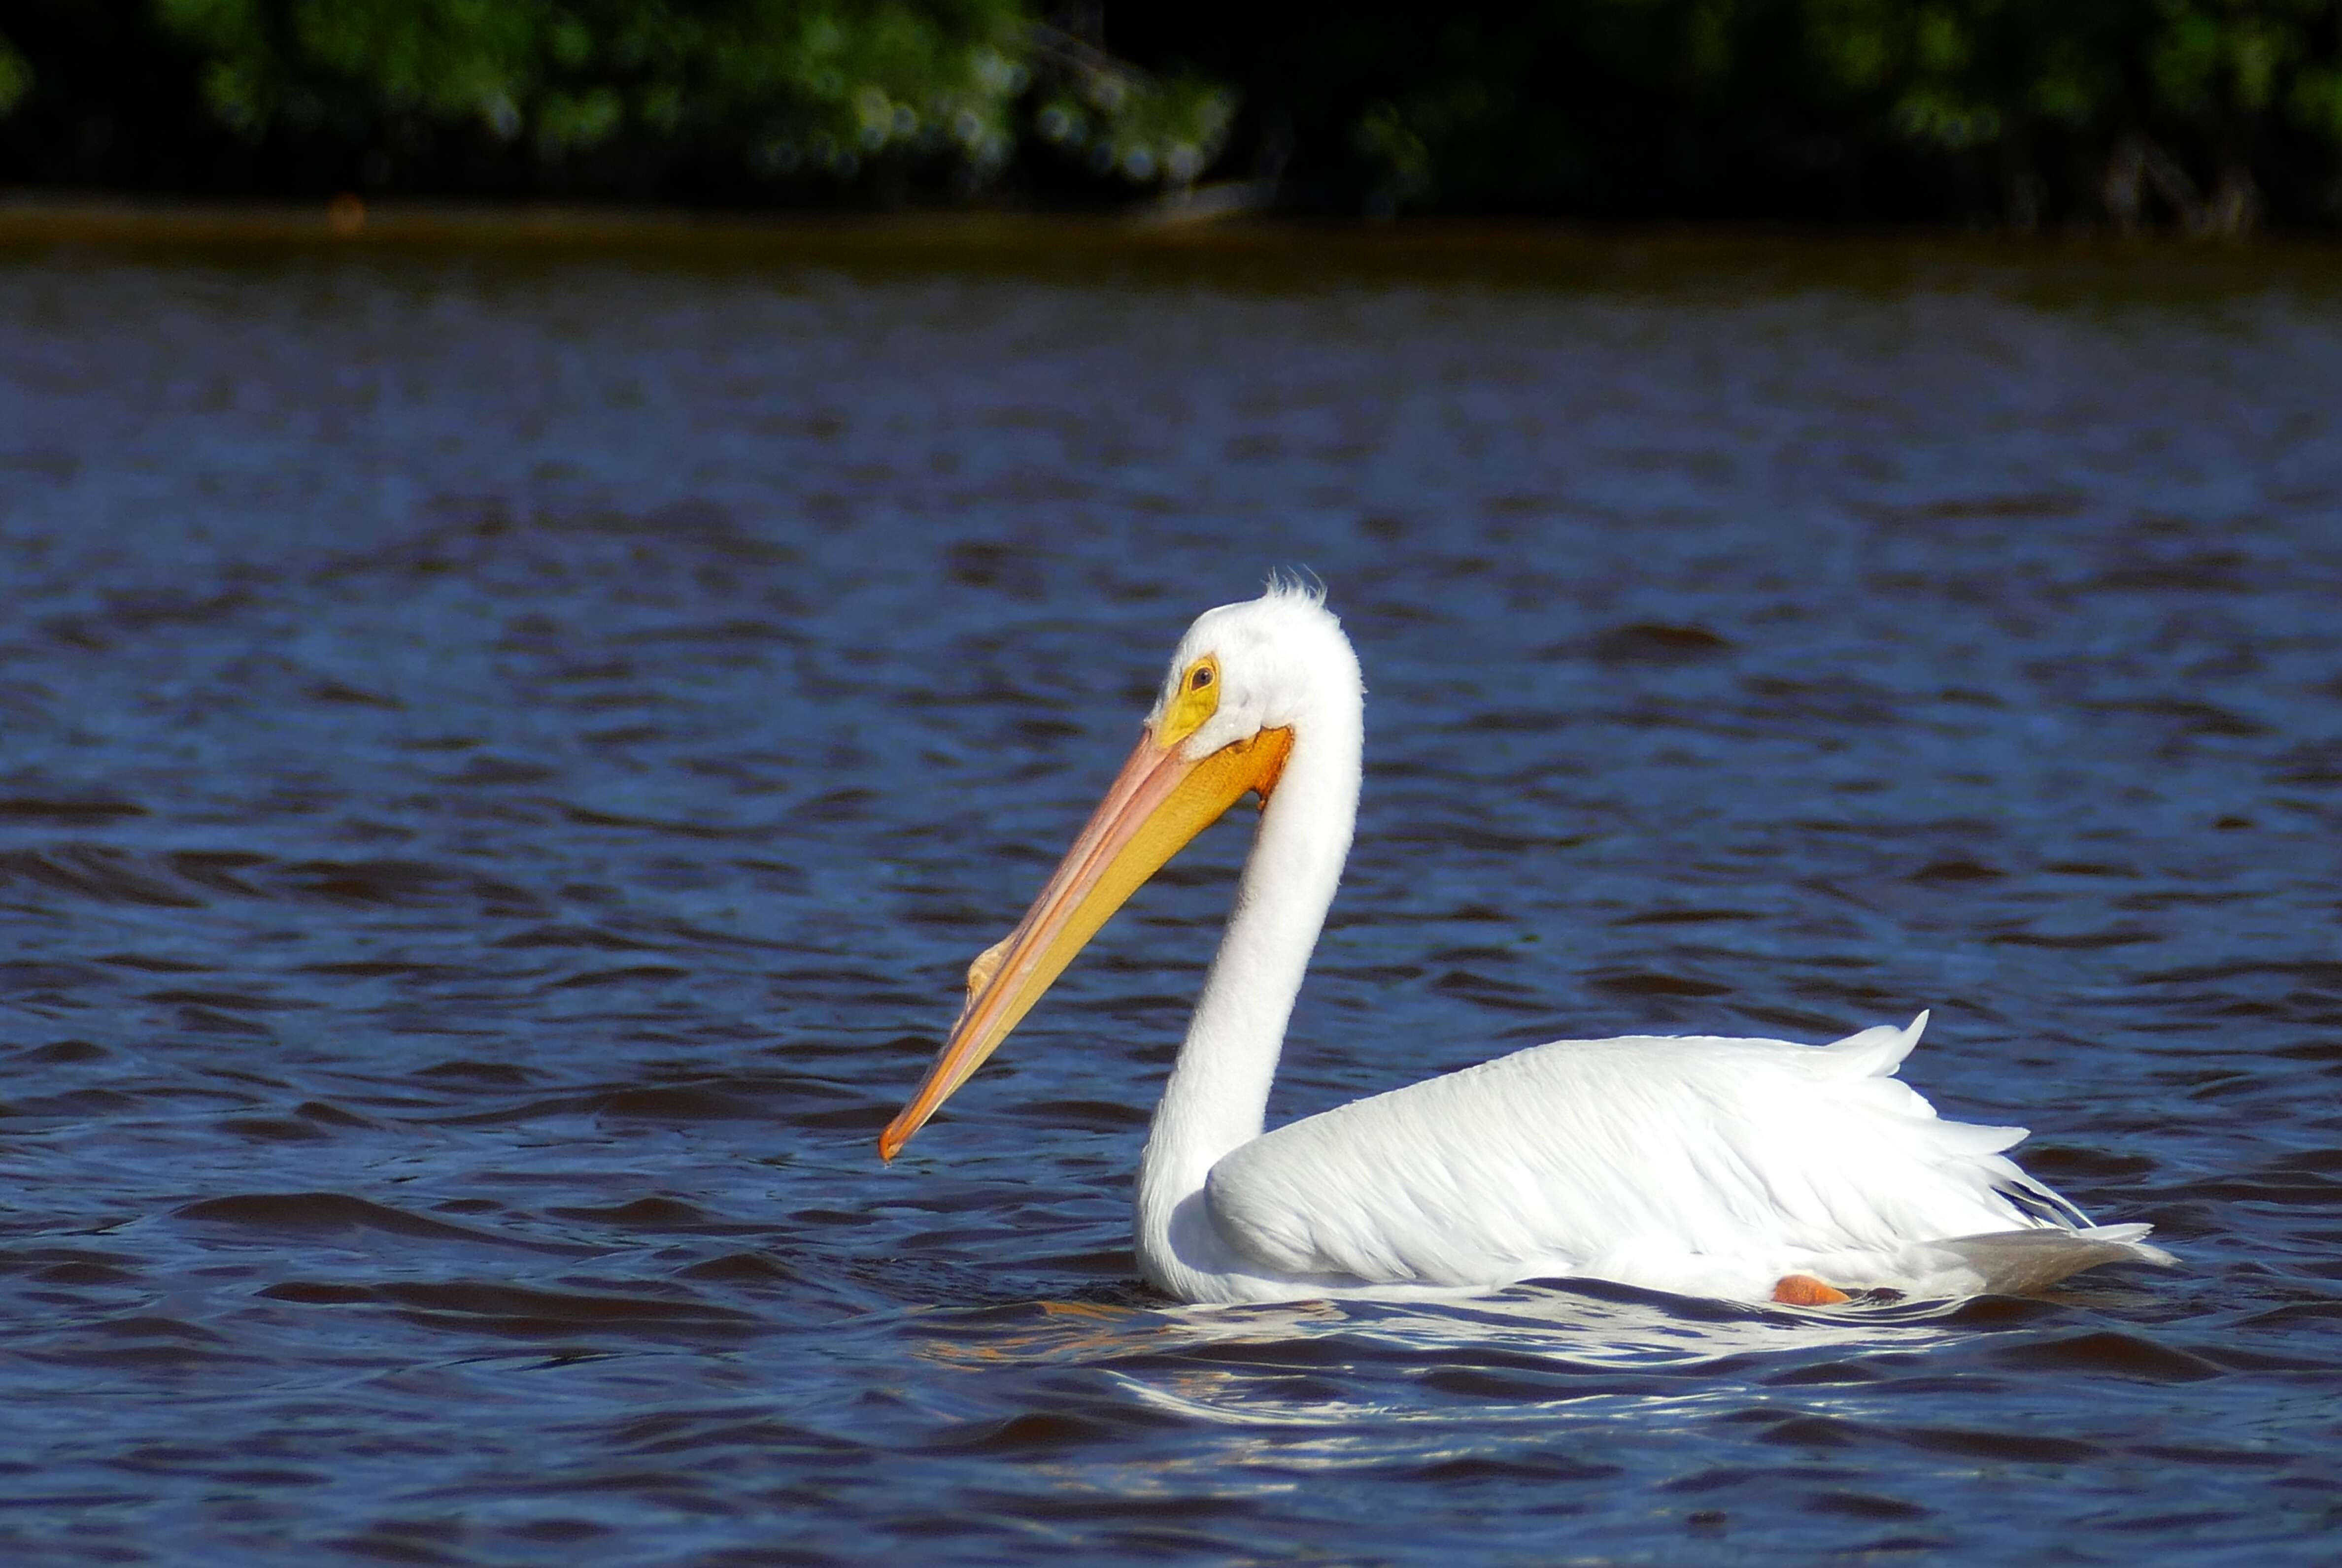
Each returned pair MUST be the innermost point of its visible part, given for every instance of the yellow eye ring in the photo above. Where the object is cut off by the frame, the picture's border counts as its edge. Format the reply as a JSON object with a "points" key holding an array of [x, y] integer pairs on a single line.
{"points": [[1195, 699]]}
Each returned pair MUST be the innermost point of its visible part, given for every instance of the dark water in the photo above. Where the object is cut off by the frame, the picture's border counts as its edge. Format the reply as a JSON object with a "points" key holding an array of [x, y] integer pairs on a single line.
{"points": [[501, 766]]}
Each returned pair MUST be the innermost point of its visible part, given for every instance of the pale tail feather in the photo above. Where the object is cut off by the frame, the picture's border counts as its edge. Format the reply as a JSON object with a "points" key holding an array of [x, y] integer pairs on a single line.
{"points": [[2019, 1263], [1875, 1052]]}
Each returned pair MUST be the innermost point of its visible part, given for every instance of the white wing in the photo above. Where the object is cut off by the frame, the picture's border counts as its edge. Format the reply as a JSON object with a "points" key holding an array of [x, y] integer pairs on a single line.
{"points": [[1693, 1164]]}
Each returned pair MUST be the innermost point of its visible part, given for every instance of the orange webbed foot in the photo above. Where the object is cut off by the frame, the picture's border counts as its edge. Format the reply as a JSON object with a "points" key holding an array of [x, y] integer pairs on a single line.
{"points": [[1803, 1290]]}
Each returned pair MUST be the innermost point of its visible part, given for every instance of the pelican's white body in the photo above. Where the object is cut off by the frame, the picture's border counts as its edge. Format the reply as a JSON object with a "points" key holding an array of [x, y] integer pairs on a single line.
{"points": [[1706, 1166]]}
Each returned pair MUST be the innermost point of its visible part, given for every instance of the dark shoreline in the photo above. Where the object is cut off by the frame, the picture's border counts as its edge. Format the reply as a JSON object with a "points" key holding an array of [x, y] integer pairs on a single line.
{"points": [[1249, 251]]}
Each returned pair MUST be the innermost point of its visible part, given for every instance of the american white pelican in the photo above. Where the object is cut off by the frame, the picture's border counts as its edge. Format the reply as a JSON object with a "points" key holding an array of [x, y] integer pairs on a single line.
{"points": [[1751, 1170]]}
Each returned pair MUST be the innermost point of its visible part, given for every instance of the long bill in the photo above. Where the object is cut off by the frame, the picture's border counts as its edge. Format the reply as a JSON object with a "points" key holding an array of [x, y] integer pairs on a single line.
{"points": [[1158, 802]]}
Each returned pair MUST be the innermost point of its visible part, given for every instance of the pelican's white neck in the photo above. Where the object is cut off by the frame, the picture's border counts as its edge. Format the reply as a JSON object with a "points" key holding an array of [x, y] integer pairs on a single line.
{"points": [[1217, 1096]]}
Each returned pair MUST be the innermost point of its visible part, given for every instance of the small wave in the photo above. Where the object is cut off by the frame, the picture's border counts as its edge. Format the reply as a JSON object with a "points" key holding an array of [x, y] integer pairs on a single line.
{"points": [[328, 1213]]}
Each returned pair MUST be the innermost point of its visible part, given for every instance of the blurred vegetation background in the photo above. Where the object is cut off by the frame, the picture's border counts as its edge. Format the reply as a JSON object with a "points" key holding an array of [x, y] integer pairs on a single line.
{"points": [[2209, 116]]}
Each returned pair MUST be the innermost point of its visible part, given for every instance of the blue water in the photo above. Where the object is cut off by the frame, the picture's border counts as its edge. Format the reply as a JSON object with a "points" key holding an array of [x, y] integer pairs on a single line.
{"points": [[504, 762]]}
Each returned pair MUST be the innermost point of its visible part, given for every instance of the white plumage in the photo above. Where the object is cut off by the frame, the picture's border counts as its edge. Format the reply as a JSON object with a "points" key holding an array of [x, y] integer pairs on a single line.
{"points": [[1708, 1167], [1701, 1165]]}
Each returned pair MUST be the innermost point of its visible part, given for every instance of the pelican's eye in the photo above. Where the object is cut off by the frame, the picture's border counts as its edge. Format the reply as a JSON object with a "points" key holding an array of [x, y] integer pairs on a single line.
{"points": [[1195, 699]]}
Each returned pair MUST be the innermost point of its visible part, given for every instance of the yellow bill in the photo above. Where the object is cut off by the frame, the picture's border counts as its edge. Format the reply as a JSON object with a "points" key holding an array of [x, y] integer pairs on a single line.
{"points": [[1158, 802]]}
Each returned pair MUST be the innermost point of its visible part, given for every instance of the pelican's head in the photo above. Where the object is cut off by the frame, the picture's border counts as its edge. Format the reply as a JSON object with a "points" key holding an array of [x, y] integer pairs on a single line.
{"points": [[1243, 680]]}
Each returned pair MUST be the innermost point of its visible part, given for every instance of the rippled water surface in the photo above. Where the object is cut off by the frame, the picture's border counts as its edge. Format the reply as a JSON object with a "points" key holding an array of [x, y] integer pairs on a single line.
{"points": [[503, 764]]}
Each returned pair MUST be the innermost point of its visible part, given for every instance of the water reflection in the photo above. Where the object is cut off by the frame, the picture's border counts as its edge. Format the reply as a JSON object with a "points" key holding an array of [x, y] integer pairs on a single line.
{"points": [[1505, 1356]]}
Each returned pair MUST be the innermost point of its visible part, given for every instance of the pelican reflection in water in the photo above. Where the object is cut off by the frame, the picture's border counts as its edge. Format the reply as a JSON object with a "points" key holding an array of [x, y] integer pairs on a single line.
{"points": [[1747, 1170]]}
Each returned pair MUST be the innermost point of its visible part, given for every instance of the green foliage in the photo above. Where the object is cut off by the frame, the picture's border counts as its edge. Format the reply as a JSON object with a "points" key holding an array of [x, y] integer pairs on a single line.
{"points": [[1499, 109], [15, 75], [1124, 120], [829, 80], [819, 84], [2208, 112], [1967, 71]]}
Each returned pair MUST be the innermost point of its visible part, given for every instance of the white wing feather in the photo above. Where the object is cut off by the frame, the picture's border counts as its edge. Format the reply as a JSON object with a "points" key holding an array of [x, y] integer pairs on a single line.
{"points": [[1694, 1163]]}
